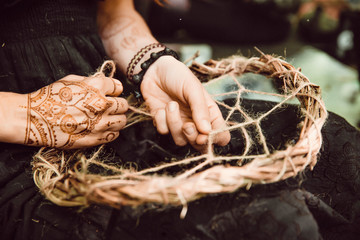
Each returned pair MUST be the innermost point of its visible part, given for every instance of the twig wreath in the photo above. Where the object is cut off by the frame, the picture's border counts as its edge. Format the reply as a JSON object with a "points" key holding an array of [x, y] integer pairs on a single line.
{"points": [[67, 181]]}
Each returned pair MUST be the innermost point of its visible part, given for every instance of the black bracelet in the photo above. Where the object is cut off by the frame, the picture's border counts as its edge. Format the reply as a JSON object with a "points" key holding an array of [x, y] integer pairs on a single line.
{"points": [[137, 78]]}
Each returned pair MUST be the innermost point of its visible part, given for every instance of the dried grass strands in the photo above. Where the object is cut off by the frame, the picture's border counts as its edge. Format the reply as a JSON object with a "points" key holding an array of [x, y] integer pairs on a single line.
{"points": [[67, 181]]}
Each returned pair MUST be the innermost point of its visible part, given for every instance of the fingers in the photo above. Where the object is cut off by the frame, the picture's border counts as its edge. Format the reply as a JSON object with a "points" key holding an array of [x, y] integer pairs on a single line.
{"points": [[184, 130], [217, 123], [191, 133], [94, 140], [114, 122], [116, 88], [108, 86], [106, 131], [160, 122], [222, 138], [205, 114], [108, 136], [119, 106], [175, 124], [202, 139], [170, 121], [194, 94]]}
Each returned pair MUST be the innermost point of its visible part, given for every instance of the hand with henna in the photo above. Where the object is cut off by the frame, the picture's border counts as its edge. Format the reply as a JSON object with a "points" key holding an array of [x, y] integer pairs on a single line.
{"points": [[73, 112]]}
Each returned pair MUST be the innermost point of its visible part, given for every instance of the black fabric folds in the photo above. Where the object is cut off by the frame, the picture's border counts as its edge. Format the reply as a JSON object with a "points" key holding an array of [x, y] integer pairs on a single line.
{"points": [[319, 204], [45, 18], [8, 4], [29, 65]]}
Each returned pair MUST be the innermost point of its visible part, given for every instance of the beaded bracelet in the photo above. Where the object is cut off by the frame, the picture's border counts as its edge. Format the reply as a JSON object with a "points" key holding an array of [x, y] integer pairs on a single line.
{"points": [[138, 56], [137, 78]]}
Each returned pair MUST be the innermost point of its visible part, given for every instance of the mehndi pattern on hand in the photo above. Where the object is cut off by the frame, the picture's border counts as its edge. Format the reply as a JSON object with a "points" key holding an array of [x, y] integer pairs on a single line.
{"points": [[74, 107]]}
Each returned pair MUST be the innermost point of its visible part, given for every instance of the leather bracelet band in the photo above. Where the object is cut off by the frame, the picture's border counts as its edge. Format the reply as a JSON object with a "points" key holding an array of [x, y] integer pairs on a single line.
{"points": [[137, 58], [137, 78]]}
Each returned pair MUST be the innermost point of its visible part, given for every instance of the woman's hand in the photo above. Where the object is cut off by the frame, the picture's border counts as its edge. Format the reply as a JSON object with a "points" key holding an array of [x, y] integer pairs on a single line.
{"points": [[175, 96], [73, 112], [180, 105]]}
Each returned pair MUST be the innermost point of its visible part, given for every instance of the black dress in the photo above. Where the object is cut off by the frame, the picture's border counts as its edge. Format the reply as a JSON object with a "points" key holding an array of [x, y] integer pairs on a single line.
{"points": [[44, 40]]}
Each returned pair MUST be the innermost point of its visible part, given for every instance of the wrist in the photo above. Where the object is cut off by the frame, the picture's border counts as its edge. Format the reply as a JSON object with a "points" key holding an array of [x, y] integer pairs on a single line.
{"points": [[158, 69], [13, 117], [137, 79], [134, 67], [164, 62]]}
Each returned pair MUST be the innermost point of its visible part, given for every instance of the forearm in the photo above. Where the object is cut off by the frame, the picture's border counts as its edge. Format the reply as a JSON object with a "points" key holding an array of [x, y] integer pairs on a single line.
{"points": [[123, 31], [13, 117]]}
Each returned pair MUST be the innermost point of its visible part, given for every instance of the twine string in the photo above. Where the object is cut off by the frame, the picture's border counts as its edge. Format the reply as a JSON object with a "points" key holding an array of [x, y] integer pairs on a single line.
{"points": [[67, 180]]}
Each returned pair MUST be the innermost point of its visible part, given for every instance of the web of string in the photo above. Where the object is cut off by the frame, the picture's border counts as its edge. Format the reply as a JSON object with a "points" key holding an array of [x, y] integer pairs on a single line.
{"points": [[210, 157], [53, 167]]}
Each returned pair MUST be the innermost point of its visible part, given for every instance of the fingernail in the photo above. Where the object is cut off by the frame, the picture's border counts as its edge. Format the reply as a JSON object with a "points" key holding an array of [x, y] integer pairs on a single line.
{"points": [[172, 106], [206, 125], [189, 130]]}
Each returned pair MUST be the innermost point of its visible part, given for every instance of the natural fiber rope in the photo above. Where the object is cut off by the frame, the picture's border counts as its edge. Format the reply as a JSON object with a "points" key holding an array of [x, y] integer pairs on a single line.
{"points": [[65, 179]]}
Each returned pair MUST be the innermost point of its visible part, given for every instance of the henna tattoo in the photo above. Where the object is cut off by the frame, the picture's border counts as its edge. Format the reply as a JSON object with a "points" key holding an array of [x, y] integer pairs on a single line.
{"points": [[129, 43], [65, 94], [117, 105], [128, 30], [68, 124], [138, 33], [112, 123], [62, 113], [109, 137], [115, 87], [129, 39], [115, 26]]}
